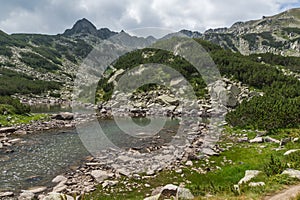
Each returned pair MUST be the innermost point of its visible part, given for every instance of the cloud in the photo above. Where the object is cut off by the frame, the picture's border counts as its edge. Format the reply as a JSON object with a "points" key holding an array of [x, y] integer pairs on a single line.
{"points": [[54, 16]]}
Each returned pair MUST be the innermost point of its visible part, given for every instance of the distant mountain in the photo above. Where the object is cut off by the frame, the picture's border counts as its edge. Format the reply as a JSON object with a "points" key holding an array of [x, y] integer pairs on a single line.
{"points": [[279, 34], [57, 57], [84, 27]]}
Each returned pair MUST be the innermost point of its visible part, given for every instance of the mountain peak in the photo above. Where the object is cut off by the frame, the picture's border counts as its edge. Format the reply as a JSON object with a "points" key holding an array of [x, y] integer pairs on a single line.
{"points": [[82, 26]]}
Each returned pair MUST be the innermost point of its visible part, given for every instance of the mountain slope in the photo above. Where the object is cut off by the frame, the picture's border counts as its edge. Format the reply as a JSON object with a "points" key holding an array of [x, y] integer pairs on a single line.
{"points": [[279, 34]]}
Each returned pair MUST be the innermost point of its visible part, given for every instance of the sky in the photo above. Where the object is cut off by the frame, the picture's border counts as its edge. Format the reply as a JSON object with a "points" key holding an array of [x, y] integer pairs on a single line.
{"points": [[54, 16]]}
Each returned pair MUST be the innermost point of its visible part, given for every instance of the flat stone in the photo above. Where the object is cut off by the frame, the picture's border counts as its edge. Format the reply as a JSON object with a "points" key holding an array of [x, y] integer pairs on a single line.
{"points": [[257, 140], [16, 140], [290, 151], [35, 190], [292, 173], [209, 152], [99, 175], [7, 130], [57, 196], [272, 140], [249, 174], [59, 179], [124, 172]]}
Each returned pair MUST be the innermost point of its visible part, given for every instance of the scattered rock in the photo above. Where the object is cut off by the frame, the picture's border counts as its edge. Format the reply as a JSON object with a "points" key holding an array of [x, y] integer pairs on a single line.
{"points": [[209, 152], [171, 191], [292, 173], [249, 174]]}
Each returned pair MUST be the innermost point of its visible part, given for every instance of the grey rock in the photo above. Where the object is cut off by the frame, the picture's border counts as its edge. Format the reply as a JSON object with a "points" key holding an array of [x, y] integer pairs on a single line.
{"points": [[290, 151], [292, 173], [184, 194], [249, 174], [99, 175], [6, 194], [257, 140], [26, 196], [272, 140]]}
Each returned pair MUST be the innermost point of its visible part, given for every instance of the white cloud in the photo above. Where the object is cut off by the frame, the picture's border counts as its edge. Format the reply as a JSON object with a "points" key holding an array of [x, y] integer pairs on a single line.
{"points": [[54, 16]]}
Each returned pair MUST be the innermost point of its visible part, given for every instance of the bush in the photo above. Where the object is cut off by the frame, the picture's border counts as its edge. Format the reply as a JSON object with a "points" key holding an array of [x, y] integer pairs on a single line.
{"points": [[274, 166], [14, 105]]}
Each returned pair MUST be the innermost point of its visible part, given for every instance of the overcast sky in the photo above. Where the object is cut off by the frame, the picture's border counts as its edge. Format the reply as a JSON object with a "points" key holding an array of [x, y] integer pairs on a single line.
{"points": [[54, 16]]}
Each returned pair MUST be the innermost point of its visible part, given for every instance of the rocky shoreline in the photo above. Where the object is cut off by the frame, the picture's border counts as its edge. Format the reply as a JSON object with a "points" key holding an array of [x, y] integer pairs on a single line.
{"points": [[199, 139]]}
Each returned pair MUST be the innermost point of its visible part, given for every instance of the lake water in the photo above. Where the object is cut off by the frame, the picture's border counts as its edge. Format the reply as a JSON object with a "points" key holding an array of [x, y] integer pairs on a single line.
{"points": [[44, 155]]}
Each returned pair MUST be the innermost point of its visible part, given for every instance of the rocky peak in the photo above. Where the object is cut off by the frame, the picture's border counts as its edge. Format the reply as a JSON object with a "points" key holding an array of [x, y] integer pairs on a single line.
{"points": [[82, 26]]}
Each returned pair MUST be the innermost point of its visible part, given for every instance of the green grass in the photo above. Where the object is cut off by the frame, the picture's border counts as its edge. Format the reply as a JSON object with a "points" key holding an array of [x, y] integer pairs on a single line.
{"points": [[225, 171], [14, 119]]}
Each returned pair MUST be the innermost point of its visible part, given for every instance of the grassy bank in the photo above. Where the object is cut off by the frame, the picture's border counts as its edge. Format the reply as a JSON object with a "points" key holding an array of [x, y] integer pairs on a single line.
{"points": [[215, 177], [15, 119]]}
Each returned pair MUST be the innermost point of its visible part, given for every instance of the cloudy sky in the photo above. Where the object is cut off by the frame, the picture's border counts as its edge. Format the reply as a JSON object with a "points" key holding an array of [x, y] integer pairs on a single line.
{"points": [[54, 16]]}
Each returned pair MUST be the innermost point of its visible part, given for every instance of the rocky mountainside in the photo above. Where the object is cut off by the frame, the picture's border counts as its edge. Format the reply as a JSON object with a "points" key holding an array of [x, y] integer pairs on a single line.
{"points": [[279, 34], [57, 57]]}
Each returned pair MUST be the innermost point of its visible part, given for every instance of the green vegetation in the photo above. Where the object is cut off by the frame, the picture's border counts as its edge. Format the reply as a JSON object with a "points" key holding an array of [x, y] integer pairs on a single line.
{"points": [[12, 82], [15, 119], [280, 105], [12, 106], [37, 62]]}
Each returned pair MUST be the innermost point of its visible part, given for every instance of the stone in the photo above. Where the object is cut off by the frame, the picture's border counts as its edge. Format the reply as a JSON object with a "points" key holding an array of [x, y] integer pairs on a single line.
{"points": [[64, 116], [99, 175], [168, 100], [6, 194], [290, 151], [257, 184], [184, 193], [16, 140], [124, 172], [272, 140], [168, 191], [234, 90], [20, 132], [59, 179], [37, 189], [109, 183], [26, 196], [57, 196], [257, 140], [249, 174], [292, 173], [209, 152], [59, 187], [7, 130], [189, 163]]}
